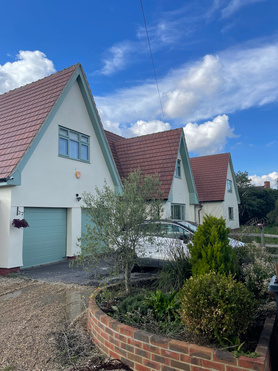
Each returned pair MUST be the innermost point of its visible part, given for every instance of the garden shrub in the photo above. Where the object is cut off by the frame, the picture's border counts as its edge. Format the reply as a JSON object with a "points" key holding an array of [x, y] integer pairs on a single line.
{"points": [[215, 306], [164, 305], [176, 270], [210, 250], [133, 303], [256, 268]]}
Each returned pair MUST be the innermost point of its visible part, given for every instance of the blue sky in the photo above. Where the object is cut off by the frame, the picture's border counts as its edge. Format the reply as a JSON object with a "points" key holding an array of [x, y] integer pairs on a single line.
{"points": [[216, 62]]}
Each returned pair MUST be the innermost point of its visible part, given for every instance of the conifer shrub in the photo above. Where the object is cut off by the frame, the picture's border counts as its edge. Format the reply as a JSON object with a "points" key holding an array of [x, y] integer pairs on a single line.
{"points": [[215, 306], [210, 250]]}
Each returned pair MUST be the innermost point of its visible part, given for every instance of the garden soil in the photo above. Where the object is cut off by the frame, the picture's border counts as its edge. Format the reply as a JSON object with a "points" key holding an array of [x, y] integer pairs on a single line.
{"points": [[30, 313]]}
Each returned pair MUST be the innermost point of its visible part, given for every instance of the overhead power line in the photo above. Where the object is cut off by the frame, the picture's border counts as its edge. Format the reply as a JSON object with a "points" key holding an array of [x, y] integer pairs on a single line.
{"points": [[156, 81]]}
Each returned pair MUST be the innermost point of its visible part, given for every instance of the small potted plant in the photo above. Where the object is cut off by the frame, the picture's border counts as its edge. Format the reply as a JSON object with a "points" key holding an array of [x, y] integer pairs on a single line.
{"points": [[20, 223]]}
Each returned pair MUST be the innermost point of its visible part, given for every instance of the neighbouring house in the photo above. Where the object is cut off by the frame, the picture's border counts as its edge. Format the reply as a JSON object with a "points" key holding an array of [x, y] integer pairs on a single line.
{"points": [[216, 187], [164, 153], [52, 149]]}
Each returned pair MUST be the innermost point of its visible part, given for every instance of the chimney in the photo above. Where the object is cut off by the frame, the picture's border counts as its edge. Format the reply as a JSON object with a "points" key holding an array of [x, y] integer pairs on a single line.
{"points": [[267, 184]]}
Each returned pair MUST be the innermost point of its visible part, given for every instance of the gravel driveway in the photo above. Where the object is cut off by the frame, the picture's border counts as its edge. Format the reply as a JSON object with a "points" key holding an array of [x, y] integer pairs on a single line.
{"points": [[29, 313], [35, 304]]}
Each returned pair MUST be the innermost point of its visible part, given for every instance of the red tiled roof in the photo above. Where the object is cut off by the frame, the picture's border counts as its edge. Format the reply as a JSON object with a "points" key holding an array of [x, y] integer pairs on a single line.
{"points": [[153, 153], [210, 176], [23, 112]]}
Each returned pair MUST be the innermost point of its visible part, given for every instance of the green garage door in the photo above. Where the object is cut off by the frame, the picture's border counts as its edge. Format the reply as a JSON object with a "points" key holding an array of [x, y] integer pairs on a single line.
{"points": [[85, 220], [45, 240]]}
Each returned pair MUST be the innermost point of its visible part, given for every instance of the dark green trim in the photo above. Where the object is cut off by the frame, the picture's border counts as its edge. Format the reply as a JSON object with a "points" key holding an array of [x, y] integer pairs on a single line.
{"points": [[193, 197], [234, 178]]}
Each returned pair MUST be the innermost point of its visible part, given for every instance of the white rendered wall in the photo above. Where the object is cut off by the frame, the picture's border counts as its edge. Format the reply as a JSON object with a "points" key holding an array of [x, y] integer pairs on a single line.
{"points": [[48, 180], [231, 201], [180, 195], [11, 237], [219, 209]]}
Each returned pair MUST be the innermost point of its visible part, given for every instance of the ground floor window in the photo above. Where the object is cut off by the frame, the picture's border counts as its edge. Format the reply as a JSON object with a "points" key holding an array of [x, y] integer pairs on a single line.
{"points": [[178, 211], [231, 213]]}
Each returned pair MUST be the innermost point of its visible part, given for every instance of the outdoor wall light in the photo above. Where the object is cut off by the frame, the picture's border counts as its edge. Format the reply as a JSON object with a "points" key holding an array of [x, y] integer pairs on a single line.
{"points": [[78, 197]]}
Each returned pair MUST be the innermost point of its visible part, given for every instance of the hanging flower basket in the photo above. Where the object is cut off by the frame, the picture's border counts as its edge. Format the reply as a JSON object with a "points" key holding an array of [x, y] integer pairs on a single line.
{"points": [[20, 223]]}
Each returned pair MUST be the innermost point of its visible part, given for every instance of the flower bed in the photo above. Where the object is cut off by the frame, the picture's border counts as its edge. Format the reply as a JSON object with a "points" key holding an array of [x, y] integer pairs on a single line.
{"points": [[144, 351]]}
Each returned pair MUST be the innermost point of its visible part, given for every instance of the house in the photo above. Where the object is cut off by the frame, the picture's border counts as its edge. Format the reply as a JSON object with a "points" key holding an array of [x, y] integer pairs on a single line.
{"points": [[216, 187], [164, 153], [52, 149]]}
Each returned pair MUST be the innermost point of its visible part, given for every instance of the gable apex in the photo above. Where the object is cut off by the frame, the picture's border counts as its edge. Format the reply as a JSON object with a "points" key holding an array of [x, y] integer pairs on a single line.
{"points": [[26, 113]]}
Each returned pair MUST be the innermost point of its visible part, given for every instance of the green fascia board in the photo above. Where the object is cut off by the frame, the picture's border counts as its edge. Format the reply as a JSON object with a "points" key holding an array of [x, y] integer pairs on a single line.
{"points": [[95, 119], [234, 178], [78, 76], [193, 197]]}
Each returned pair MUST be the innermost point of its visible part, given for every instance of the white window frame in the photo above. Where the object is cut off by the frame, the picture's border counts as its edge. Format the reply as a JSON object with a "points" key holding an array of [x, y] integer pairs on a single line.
{"points": [[83, 141]]}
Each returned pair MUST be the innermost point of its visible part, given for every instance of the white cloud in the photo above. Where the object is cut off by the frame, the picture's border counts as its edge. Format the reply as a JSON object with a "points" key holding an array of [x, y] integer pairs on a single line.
{"points": [[234, 5], [233, 80], [210, 137], [29, 66], [142, 127], [118, 56], [259, 180]]}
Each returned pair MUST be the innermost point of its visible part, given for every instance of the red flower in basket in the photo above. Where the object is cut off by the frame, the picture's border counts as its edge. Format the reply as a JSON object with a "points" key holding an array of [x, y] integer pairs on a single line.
{"points": [[20, 223]]}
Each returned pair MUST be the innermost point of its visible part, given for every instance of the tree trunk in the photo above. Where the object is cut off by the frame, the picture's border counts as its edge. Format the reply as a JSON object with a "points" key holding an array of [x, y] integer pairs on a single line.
{"points": [[127, 277]]}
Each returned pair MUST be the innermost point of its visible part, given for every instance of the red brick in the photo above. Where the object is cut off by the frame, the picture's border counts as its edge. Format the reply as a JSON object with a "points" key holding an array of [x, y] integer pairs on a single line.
{"points": [[200, 352], [141, 367], [122, 338], [209, 365], [151, 364], [170, 354], [114, 341], [126, 330], [159, 341], [179, 365], [142, 353], [127, 362], [142, 336], [127, 347], [113, 354], [186, 358], [251, 363], [225, 357], [104, 335], [160, 359], [234, 368], [179, 346], [109, 345], [135, 358], [134, 343], [151, 348]]}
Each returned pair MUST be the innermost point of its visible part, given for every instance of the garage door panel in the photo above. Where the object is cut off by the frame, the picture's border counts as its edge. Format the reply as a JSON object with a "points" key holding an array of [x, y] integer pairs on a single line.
{"points": [[45, 240]]}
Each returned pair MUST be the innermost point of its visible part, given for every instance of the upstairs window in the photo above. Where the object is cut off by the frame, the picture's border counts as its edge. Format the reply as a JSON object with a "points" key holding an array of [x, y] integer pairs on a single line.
{"points": [[178, 211], [178, 169], [229, 186], [231, 213], [73, 145]]}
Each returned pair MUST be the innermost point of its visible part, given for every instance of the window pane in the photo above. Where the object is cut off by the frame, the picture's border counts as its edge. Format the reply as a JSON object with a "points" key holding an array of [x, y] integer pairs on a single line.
{"points": [[74, 136], [84, 139], [84, 152], [74, 146], [64, 132], [63, 146]]}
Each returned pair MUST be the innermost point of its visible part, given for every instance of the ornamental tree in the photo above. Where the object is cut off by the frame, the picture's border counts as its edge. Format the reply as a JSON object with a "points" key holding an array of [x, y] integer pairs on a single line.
{"points": [[117, 219], [210, 250]]}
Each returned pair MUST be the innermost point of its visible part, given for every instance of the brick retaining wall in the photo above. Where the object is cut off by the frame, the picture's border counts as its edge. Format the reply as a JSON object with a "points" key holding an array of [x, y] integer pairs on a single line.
{"points": [[144, 351]]}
